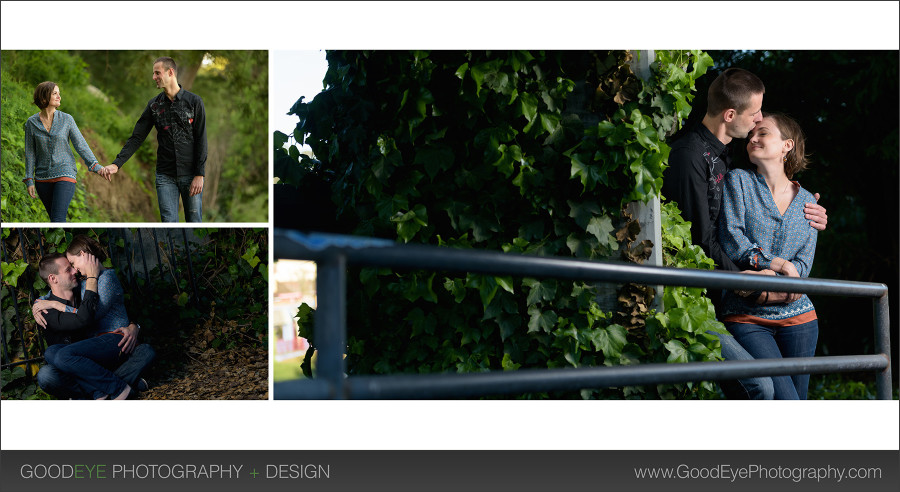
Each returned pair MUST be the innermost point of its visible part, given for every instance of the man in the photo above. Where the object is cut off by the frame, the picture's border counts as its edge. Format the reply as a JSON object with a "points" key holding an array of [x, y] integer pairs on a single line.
{"points": [[75, 322], [180, 121], [698, 163]]}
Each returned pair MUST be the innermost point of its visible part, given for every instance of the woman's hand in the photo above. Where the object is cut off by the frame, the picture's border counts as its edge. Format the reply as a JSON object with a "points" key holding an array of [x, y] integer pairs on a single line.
{"points": [[787, 268], [87, 264], [108, 171], [41, 306], [32, 192]]}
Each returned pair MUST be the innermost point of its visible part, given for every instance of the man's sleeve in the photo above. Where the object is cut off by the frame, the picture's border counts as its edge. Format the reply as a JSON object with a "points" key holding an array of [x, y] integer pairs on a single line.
{"points": [[200, 148], [62, 321], [685, 182], [141, 130]]}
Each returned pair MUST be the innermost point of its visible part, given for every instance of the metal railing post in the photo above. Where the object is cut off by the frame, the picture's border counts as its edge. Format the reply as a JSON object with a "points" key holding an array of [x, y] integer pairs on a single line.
{"points": [[331, 320], [883, 346]]}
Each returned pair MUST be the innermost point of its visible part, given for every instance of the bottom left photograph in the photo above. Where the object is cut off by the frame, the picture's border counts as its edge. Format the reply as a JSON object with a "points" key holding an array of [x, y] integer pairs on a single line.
{"points": [[135, 313]]}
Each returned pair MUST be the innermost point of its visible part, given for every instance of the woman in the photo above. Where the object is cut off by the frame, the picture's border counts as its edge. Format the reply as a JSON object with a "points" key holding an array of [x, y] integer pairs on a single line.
{"points": [[88, 360], [49, 164], [763, 227]]}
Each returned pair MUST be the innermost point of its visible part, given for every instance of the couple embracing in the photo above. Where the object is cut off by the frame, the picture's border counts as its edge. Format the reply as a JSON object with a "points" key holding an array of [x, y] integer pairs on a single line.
{"points": [[92, 348], [757, 219], [179, 118]]}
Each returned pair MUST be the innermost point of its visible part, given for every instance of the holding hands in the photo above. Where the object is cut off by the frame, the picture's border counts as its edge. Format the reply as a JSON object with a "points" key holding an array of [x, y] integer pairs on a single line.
{"points": [[108, 171]]}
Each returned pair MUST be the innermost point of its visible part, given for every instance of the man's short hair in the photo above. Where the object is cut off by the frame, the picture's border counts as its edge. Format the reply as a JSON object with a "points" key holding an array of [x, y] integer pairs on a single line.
{"points": [[733, 89], [167, 63], [42, 94], [48, 265]]}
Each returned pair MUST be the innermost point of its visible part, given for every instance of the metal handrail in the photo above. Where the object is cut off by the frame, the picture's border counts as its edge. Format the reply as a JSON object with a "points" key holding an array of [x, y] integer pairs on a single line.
{"points": [[334, 252]]}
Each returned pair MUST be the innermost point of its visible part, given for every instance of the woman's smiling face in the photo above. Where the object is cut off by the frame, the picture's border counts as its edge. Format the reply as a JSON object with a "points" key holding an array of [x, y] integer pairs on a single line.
{"points": [[765, 142]]}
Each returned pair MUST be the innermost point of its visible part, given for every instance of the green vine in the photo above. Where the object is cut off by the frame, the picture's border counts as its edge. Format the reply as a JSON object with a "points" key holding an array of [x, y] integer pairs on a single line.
{"points": [[525, 152]]}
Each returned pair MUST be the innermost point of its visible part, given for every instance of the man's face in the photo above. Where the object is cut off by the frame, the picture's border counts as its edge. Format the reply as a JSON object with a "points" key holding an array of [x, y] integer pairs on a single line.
{"points": [[744, 121], [160, 75], [66, 276]]}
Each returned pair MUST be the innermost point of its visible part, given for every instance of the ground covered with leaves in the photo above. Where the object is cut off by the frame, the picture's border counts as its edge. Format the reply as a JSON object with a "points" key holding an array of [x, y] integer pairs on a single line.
{"points": [[191, 369]]}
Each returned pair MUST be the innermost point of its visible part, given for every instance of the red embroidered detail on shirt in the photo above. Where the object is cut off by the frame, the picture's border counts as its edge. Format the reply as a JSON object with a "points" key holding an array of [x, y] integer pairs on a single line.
{"points": [[190, 120], [719, 178], [165, 128]]}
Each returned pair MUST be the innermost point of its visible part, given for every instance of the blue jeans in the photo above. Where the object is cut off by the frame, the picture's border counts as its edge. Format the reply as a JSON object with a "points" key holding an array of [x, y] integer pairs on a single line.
{"points": [[756, 388], [764, 342], [63, 386], [89, 362], [56, 198], [168, 189]]}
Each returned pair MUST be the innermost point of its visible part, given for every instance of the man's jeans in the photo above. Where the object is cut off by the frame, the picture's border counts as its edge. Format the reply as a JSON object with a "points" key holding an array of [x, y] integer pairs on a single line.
{"points": [[756, 388], [764, 342], [56, 197], [83, 369], [168, 189]]}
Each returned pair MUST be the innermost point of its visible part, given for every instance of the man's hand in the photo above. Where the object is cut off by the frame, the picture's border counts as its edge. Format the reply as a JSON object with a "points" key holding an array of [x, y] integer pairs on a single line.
{"points": [[32, 191], [196, 185], [129, 337], [815, 213], [769, 297], [108, 171]]}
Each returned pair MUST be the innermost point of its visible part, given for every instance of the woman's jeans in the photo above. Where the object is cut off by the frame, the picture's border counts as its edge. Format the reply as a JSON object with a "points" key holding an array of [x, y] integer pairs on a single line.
{"points": [[89, 361], [765, 342], [168, 189], [751, 388], [56, 197]]}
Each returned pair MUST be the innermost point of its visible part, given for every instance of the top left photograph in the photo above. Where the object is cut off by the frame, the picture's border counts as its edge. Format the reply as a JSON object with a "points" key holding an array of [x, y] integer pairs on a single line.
{"points": [[134, 136]]}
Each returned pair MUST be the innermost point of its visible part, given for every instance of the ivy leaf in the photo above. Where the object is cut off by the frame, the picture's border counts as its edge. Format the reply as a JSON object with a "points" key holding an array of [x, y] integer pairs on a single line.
{"points": [[506, 283], [540, 291], [507, 364], [434, 159], [12, 271], [601, 227], [677, 351], [610, 340], [541, 320], [529, 104]]}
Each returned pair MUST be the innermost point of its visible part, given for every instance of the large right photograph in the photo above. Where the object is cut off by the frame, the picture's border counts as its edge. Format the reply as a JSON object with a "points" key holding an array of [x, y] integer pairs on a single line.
{"points": [[593, 224]]}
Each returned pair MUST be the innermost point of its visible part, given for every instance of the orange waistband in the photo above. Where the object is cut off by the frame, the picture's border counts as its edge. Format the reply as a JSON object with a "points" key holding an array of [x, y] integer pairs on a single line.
{"points": [[54, 180], [754, 320]]}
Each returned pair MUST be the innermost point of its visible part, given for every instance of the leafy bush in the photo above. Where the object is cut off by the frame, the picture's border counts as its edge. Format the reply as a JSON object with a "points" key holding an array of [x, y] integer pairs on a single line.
{"points": [[526, 152]]}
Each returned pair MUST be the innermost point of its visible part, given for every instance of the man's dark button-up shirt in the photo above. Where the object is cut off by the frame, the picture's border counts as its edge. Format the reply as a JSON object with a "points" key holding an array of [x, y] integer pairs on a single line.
{"points": [[695, 179], [181, 134], [71, 327]]}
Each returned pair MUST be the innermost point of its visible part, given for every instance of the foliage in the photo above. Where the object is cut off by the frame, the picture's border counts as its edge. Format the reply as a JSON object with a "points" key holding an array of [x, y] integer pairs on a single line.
{"points": [[228, 267], [523, 152], [106, 91]]}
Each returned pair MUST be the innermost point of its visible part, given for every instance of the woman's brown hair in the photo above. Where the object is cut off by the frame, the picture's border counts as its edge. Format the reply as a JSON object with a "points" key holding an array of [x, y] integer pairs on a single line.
{"points": [[796, 159], [42, 94], [84, 243]]}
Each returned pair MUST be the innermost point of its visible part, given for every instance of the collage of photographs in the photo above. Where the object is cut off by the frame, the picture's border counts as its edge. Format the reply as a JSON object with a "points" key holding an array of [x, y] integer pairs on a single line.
{"points": [[428, 229], [262, 241]]}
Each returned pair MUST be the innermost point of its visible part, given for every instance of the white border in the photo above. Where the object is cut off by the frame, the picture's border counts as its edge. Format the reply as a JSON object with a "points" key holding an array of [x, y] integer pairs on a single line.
{"points": [[451, 425]]}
